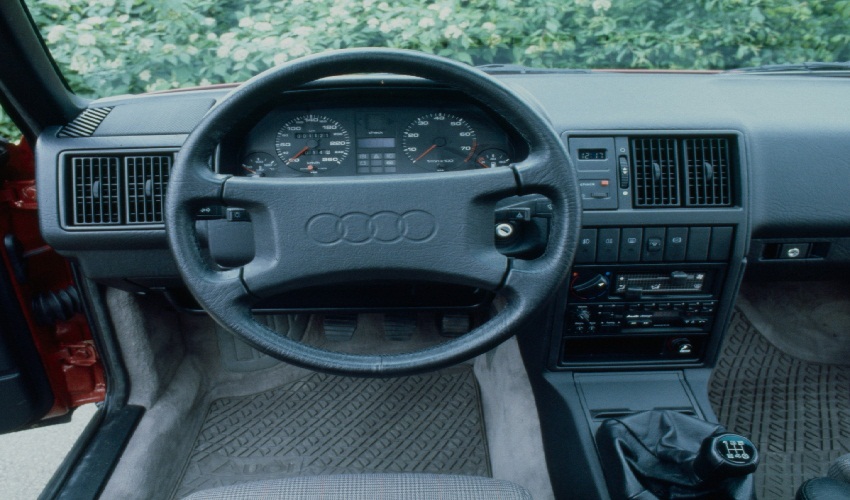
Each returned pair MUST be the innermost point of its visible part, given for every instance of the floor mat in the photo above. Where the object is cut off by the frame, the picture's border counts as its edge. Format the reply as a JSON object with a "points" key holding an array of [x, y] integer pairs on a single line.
{"points": [[324, 424], [796, 412]]}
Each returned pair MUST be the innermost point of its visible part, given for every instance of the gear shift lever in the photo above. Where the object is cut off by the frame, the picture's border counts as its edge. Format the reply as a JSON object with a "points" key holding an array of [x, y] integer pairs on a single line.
{"points": [[725, 455]]}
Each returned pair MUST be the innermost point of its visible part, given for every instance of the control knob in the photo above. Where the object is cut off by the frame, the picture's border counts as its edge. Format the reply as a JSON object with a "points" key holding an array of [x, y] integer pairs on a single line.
{"points": [[587, 287]]}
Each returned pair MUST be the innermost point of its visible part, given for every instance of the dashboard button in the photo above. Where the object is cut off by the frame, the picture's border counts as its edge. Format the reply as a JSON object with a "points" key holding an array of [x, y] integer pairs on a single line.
{"points": [[608, 245], [653, 249], [586, 251], [698, 238], [630, 244], [676, 245], [721, 243]]}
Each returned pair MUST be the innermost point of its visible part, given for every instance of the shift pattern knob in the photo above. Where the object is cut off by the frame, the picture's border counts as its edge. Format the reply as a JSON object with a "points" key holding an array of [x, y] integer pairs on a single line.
{"points": [[725, 455]]}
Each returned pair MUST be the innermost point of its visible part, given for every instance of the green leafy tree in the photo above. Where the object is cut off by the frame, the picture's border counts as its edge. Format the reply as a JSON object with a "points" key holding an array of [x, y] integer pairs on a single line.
{"points": [[130, 46]]}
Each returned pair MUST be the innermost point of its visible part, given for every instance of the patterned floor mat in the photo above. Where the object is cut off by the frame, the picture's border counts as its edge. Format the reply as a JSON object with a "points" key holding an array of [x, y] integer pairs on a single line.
{"points": [[324, 424], [796, 412]]}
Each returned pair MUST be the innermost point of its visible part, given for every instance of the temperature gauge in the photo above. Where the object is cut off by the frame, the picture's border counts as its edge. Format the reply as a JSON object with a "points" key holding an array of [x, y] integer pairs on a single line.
{"points": [[490, 158], [259, 165]]}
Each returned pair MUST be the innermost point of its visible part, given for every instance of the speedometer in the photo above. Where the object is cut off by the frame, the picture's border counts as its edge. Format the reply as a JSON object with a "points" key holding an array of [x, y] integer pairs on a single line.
{"points": [[312, 143], [439, 141]]}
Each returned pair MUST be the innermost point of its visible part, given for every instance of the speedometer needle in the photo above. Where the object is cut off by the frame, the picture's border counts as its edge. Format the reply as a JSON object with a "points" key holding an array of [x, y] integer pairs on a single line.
{"points": [[425, 153], [306, 148]]}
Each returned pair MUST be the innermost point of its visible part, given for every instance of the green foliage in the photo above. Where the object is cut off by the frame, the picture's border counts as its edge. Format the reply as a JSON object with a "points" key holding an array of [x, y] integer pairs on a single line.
{"points": [[8, 130], [129, 46]]}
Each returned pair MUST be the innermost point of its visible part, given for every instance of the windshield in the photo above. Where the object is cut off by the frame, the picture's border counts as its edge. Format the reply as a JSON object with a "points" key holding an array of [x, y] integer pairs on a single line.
{"points": [[112, 47]]}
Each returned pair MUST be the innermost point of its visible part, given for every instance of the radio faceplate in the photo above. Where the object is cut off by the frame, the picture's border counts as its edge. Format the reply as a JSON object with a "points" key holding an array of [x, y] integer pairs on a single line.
{"points": [[640, 312]]}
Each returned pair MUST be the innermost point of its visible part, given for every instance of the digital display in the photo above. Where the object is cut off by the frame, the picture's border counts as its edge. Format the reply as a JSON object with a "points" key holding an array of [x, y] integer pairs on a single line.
{"points": [[592, 154], [376, 142]]}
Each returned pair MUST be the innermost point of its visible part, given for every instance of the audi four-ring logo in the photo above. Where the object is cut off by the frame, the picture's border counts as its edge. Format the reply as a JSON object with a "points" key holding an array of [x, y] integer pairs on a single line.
{"points": [[383, 227]]}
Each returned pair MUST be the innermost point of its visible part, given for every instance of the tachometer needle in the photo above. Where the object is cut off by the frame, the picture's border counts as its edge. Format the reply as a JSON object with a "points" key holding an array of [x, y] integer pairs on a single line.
{"points": [[482, 163], [306, 148], [425, 153]]}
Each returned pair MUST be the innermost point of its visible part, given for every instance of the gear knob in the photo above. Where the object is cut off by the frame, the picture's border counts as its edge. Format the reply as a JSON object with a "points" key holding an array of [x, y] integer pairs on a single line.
{"points": [[725, 455]]}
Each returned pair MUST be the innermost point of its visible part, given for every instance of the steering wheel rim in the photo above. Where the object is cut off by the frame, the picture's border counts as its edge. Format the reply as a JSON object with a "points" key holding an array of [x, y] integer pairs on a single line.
{"points": [[457, 229]]}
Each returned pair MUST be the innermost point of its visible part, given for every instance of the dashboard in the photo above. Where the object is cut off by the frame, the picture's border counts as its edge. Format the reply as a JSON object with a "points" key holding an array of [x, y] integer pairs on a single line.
{"points": [[346, 135], [686, 181]]}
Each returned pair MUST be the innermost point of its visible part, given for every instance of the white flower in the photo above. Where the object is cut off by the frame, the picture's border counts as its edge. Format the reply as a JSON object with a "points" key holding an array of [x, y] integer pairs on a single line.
{"points": [[426, 22], [168, 48], [191, 50], [222, 51], [123, 18], [228, 39], [145, 76], [246, 22], [86, 40], [208, 21], [531, 50], [452, 32], [145, 45], [268, 42], [55, 34], [444, 14], [280, 58], [95, 20], [240, 54], [286, 43], [338, 11], [193, 37], [372, 22], [601, 5], [489, 26], [303, 30], [263, 26], [384, 6], [385, 28], [212, 37]]}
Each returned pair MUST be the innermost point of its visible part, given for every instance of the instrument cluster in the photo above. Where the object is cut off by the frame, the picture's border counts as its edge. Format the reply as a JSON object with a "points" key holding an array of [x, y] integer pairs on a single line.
{"points": [[384, 135]]}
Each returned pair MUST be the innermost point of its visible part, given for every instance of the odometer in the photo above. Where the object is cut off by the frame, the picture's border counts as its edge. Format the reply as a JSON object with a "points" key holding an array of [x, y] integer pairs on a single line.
{"points": [[312, 143], [439, 141]]}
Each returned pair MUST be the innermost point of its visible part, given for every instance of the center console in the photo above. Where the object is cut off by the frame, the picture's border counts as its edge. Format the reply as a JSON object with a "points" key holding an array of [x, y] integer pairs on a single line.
{"points": [[660, 250], [640, 320]]}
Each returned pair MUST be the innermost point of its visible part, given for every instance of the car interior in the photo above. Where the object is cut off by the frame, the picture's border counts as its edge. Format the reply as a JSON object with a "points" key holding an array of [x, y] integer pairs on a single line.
{"points": [[380, 273]]}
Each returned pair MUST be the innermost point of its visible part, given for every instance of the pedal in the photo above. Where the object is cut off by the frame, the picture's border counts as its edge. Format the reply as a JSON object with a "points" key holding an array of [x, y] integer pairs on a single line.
{"points": [[399, 327], [339, 328], [454, 325]]}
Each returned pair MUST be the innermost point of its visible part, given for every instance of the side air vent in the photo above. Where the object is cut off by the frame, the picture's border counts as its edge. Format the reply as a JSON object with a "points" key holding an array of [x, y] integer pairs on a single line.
{"points": [[147, 178], [85, 123], [655, 167], [115, 188], [96, 190], [707, 167]]}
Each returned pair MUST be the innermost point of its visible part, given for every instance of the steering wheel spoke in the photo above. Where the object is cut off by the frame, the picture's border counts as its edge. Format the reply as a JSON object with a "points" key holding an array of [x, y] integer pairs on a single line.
{"points": [[427, 227]]}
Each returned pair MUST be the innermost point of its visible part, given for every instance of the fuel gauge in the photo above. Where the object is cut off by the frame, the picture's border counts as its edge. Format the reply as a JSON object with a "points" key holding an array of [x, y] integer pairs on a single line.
{"points": [[259, 165], [490, 158]]}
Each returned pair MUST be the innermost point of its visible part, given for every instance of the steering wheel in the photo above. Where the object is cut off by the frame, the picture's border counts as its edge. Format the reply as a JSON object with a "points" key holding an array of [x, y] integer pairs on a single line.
{"points": [[435, 227]]}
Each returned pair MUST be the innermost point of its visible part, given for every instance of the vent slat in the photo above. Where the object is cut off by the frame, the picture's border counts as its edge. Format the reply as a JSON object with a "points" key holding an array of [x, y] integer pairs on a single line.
{"points": [[655, 164], [147, 180], [85, 123], [708, 163], [96, 192]]}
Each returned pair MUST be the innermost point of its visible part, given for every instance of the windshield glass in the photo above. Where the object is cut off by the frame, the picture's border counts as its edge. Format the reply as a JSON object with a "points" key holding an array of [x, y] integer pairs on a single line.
{"points": [[111, 47]]}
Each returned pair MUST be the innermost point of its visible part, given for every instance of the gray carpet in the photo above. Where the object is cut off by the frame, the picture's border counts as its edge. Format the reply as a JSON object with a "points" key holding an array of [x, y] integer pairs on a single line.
{"points": [[796, 412], [325, 424]]}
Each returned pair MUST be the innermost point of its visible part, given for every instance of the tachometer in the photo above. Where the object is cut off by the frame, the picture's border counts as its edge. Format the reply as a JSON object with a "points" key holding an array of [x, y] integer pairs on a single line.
{"points": [[439, 141], [312, 143]]}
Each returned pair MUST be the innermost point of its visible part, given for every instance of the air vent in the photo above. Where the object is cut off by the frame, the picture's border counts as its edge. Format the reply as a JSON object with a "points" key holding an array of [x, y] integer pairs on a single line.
{"points": [[655, 165], [707, 164], [96, 190], [85, 123], [147, 178]]}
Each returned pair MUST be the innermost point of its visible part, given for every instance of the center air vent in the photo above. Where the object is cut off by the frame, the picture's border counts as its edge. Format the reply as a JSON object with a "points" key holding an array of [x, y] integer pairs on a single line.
{"points": [[700, 168], [655, 164], [117, 189], [707, 169]]}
